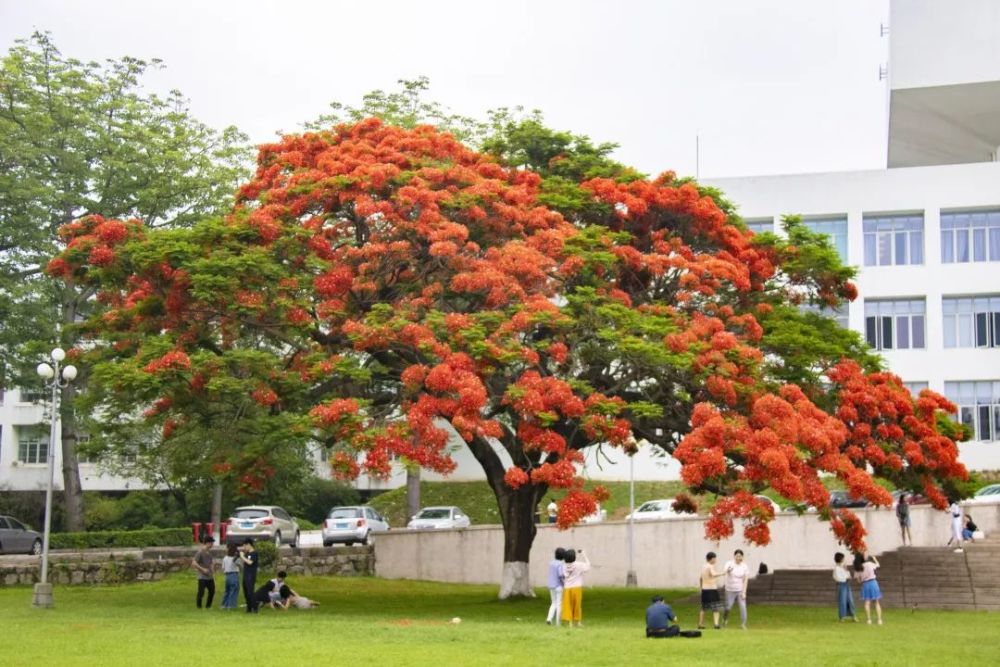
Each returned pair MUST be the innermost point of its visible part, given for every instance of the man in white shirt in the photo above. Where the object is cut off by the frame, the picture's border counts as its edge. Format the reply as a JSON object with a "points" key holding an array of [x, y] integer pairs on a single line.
{"points": [[737, 578], [552, 510]]}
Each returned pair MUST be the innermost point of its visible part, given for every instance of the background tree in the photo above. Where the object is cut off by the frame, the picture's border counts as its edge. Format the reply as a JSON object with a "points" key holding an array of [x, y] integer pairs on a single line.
{"points": [[83, 138], [392, 280]]}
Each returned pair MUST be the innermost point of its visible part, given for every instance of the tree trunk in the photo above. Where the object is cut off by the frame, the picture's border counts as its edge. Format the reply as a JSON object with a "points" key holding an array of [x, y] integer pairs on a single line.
{"points": [[412, 490], [73, 491], [517, 513], [217, 512]]}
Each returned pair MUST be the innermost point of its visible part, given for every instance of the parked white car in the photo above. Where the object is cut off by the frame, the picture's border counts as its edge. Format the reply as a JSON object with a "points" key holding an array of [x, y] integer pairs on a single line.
{"points": [[352, 524], [439, 518], [775, 506], [654, 509]]}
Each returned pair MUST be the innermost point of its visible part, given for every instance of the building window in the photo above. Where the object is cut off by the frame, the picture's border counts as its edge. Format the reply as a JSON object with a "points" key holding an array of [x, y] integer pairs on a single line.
{"points": [[835, 228], [32, 395], [978, 407], [838, 314], [972, 321], [970, 236], [894, 240], [758, 226], [32, 445], [915, 387], [895, 325]]}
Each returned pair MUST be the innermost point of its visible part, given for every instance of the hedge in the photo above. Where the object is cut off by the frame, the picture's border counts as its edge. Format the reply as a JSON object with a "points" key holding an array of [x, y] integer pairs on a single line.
{"points": [[162, 537]]}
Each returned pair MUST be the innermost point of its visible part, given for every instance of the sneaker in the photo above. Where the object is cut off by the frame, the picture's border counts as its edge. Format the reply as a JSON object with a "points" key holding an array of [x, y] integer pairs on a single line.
{"points": [[701, 627], [548, 622], [869, 621], [958, 550], [718, 627], [880, 621], [743, 625]]}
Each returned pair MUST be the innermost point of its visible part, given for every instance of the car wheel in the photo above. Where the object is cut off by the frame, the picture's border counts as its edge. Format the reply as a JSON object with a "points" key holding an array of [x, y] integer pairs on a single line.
{"points": [[277, 539], [36, 548], [350, 544], [298, 536], [364, 540], [327, 544]]}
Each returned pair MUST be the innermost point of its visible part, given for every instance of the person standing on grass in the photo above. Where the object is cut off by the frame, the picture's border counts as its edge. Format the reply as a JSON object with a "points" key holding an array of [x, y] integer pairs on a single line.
{"points": [[710, 599], [572, 602], [249, 558], [903, 515], [231, 571], [204, 565], [870, 591], [556, 576], [737, 580], [552, 510], [845, 601]]}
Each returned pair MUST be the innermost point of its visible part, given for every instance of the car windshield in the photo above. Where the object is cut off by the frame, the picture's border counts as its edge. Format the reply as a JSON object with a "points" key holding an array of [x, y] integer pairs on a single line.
{"points": [[434, 513], [651, 507], [250, 514], [988, 491], [345, 513]]}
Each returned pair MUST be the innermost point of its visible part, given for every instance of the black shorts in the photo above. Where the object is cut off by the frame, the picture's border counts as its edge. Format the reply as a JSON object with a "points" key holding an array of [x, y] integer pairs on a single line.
{"points": [[711, 600]]}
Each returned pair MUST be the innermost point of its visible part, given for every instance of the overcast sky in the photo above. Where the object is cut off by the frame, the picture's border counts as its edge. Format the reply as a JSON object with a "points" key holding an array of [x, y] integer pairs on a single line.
{"points": [[770, 86]]}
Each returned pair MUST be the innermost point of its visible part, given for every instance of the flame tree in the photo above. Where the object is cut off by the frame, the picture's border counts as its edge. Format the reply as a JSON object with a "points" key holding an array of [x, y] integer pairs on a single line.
{"points": [[390, 286]]}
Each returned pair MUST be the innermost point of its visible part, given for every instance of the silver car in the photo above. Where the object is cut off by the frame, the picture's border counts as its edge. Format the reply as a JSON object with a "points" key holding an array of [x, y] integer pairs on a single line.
{"points": [[347, 525], [262, 522], [439, 518], [16, 538]]}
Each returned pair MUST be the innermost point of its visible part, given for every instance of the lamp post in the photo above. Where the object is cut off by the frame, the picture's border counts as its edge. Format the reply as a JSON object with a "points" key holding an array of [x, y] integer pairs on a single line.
{"points": [[55, 380], [630, 579]]}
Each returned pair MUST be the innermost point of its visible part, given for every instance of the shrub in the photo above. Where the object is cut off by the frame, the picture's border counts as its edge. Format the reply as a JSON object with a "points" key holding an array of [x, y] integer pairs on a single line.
{"points": [[163, 537], [267, 555]]}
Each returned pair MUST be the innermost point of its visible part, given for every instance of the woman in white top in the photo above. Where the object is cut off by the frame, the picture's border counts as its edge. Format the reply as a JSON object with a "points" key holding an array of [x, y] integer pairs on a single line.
{"points": [[956, 525], [737, 579], [231, 571], [845, 601], [572, 602]]}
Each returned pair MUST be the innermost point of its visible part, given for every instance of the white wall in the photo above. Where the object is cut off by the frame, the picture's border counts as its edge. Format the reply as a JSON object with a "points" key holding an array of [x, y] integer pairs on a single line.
{"points": [[668, 553], [940, 42], [918, 189]]}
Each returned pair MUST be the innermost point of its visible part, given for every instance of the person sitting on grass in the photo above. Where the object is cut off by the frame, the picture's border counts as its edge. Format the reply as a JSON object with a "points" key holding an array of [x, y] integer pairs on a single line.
{"points": [[661, 620], [262, 596], [290, 598]]}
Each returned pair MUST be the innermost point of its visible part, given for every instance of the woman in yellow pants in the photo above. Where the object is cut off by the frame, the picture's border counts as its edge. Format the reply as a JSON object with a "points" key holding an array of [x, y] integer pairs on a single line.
{"points": [[572, 602]]}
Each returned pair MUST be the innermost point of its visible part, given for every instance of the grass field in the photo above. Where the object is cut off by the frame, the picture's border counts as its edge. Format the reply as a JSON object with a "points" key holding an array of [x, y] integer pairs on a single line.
{"points": [[372, 621]]}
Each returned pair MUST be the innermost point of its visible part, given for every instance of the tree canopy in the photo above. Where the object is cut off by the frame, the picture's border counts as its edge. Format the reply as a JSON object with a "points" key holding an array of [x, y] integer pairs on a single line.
{"points": [[78, 139], [377, 287]]}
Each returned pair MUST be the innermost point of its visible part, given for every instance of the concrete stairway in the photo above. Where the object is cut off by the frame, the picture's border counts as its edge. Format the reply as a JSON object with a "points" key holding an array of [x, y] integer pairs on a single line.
{"points": [[910, 577]]}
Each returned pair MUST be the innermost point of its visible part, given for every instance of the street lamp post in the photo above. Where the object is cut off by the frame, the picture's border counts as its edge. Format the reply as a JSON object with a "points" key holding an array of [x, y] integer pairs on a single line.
{"points": [[55, 380], [630, 579]]}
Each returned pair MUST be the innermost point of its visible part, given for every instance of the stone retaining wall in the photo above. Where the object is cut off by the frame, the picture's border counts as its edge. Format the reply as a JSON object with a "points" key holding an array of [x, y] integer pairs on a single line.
{"points": [[130, 565]]}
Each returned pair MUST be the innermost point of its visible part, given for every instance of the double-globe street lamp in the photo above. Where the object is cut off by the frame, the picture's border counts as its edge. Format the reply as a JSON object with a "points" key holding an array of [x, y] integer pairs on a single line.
{"points": [[55, 380]]}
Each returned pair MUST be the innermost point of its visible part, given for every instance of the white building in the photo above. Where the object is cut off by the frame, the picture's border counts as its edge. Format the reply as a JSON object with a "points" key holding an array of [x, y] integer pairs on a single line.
{"points": [[924, 232]]}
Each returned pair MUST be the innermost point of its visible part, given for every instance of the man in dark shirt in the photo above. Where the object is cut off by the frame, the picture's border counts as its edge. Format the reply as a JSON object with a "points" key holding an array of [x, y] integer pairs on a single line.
{"points": [[249, 558], [658, 618]]}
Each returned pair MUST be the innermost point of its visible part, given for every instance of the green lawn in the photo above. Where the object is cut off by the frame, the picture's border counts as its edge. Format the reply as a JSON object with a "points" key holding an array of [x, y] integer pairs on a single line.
{"points": [[373, 621]]}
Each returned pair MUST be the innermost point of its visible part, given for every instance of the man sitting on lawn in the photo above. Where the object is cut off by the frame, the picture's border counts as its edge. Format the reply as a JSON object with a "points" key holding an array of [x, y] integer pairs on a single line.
{"points": [[658, 619]]}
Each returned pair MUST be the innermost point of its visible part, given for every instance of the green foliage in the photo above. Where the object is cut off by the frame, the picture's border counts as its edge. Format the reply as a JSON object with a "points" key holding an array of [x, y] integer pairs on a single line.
{"points": [[309, 498], [162, 537], [267, 554]]}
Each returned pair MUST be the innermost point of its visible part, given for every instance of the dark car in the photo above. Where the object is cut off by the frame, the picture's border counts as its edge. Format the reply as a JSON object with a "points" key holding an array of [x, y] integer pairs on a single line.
{"points": [[842, 499], [16, 538]]}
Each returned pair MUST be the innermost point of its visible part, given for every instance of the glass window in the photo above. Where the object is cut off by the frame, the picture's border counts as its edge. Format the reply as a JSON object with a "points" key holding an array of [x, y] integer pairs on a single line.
{"points": [[893, 239], [895, 324], [33, 395], [971, 321], [978, 407], [835, 228], [915, 387], [758, 226], [970, 236], [32, 445]]}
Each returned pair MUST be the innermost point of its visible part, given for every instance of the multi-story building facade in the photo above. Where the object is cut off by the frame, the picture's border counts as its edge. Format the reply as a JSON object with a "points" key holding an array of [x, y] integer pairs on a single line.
{"points": [[924, 232]]}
